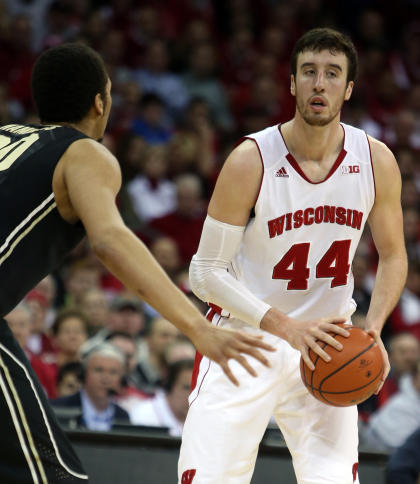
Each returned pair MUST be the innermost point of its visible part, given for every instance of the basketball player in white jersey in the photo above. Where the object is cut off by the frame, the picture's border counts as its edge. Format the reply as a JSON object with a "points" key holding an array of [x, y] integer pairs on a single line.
{"points": [[275, 256]]}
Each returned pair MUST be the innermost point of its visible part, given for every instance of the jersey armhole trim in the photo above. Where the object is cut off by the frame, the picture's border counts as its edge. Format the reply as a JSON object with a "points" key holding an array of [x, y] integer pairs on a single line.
{"points": [[262, 165], [371, 164]]}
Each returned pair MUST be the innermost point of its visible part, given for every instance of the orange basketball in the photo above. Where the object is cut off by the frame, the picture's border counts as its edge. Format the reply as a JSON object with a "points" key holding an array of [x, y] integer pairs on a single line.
{"points": [[352, 374]]}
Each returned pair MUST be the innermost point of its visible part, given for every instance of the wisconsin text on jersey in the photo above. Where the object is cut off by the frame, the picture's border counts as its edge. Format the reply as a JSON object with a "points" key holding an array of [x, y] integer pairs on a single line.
{"points": [[308, 216]]}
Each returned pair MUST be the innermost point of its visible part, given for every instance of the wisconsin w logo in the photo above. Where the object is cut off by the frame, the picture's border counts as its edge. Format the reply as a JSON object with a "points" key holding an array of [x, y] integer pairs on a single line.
{"points": [[188, 476]]}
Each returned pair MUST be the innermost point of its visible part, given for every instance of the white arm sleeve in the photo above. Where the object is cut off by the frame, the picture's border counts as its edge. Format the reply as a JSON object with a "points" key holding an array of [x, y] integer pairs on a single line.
{"points": [[210, 280]]}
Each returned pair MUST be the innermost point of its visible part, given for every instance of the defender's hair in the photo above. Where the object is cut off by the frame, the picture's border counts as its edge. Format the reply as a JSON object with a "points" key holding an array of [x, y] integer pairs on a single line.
{"points": [[327, 39], [65, 81]]}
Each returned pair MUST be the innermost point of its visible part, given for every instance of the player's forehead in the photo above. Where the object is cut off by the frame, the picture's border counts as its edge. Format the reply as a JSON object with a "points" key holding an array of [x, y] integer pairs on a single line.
{"points": [[322, 58]]}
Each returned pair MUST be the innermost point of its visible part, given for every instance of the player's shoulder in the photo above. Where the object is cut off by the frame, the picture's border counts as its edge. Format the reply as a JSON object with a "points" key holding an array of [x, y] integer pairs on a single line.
{"points": [[88, 151], [383, 159], [245, 157]]}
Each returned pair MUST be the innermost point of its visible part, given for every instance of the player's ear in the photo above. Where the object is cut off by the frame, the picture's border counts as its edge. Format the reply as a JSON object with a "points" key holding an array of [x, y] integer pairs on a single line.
{"points": [[292, 85], [349, 90], [99, 105]]}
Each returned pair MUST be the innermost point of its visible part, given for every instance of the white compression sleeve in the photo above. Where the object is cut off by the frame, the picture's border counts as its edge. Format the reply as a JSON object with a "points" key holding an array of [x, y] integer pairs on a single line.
{"points": [[210, 280]]}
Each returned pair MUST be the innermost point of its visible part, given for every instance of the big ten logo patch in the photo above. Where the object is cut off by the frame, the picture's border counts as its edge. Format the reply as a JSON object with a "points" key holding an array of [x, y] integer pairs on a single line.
{"points": [[188, 476], [350, 169]]}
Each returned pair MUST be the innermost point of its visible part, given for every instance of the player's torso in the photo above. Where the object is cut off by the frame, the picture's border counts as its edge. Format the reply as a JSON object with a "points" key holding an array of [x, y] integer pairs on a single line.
{"points": [[296, 252], [33, 236]]}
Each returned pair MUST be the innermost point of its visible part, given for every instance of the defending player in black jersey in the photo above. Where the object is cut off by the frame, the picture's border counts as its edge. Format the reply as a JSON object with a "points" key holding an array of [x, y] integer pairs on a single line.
{"points": [[56, 183]]}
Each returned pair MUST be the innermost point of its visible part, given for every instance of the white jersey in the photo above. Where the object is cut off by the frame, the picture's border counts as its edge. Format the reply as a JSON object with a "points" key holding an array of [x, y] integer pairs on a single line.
{"points": [[296, 253]]}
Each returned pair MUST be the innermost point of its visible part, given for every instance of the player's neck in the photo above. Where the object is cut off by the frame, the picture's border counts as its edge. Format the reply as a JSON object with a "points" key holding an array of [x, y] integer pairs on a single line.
{"points": [[317, 143], [85, 126]]}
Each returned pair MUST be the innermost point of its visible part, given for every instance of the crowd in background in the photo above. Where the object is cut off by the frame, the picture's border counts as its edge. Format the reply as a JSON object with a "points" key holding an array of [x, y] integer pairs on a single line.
{"points": [[189, 79]]}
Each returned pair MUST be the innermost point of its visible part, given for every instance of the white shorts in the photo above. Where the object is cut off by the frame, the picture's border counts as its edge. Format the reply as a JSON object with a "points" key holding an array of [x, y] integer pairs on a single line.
{"points": [[225, 423]]}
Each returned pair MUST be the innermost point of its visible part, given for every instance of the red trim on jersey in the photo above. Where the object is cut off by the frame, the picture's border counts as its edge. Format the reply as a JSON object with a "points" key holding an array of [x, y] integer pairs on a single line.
{"points": [[371, 164], [199, 356], [295, 165]]}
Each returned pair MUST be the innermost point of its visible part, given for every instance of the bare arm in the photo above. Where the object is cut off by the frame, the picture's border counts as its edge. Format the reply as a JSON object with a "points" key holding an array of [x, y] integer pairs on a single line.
{"points": [[92, 179], [386, 224], [233, 198]]}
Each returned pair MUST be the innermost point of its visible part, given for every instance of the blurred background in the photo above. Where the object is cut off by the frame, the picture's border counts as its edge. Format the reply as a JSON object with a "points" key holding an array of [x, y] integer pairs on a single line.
{"points": [[189, 79]]}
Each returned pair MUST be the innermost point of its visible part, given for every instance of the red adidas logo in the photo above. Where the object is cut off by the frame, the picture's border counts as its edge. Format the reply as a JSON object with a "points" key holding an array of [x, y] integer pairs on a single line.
{"points": [[282, 172], [188, 476]]}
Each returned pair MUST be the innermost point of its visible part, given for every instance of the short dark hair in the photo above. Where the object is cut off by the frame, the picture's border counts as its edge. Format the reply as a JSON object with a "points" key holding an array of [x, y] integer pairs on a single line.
{"points": [[174, 370], [65, 314], [74, 367], [65, 81], [326, 39]]}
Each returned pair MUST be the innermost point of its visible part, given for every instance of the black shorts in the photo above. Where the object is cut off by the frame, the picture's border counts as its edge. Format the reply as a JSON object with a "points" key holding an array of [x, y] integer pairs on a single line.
{"points": [[33, 448]]}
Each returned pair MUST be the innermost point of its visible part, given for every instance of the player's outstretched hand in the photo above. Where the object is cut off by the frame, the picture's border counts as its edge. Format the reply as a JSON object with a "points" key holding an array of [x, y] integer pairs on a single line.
{"points": [[387, 367], [303, 335], [222, 344]]}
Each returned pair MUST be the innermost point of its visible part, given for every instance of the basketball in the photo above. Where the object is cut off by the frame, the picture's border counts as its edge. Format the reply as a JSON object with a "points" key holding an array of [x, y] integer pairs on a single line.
{"points": [[352, 374]]}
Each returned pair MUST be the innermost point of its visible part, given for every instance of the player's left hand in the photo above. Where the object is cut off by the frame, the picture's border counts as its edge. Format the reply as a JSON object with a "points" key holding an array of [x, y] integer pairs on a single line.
{"points": [[376, 335]]}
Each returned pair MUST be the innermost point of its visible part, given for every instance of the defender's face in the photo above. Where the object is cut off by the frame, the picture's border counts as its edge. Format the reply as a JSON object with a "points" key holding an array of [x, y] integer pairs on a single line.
{"points": [[320, 86]]}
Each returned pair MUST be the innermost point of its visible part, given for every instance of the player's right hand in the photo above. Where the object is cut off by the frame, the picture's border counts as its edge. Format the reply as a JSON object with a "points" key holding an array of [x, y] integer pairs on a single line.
{"points": [[223, 344], [303, 335]]}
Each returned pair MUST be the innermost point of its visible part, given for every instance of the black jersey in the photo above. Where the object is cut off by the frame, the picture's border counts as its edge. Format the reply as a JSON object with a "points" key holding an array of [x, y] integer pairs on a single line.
{"points": [[34, 238]]}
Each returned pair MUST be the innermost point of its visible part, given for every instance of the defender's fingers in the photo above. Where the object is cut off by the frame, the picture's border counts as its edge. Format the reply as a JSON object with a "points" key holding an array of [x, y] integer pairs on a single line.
{"points": [[250, 350], [229, 374], [243, 361], [256, 341]]}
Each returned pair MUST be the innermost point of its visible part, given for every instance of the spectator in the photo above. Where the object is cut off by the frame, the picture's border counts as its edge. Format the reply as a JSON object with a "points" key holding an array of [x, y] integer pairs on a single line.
{"points": [[152, 194], [184, 224], [93, 404], [95, 308], [177, 350], [151, 123], [48, 288], [128, 395], [391, 425], [404, 464], [156, 78], [406, 315], [169, 407], [69, 379], [126, 315], [69, 332], [39, 342], [403, 352], [201, 81], [19, 321], [81, 276], [151, 369]]}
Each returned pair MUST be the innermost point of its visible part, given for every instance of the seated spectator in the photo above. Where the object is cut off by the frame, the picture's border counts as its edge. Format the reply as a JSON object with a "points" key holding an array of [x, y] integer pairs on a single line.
{"points": [[95, 308], [151, 124], [19, 321], [404, 464], [69, 331], [48, 287], [81, 276], [169, 407], [125, 315], [152, 194], [391, 425], [184, 224], [129, 395], [156, 78], [39, 342], [151, 369], [69, 379], [403, 352], [93, 405], [406, 315]]}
